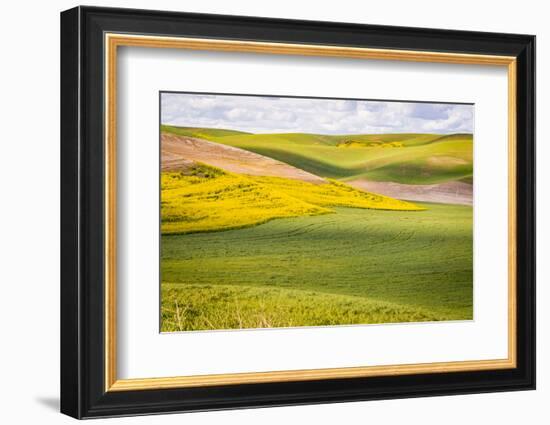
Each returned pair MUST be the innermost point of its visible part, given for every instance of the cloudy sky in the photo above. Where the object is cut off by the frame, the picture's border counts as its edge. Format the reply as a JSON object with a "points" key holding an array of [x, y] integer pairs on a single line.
{"points": [[257, 114]]}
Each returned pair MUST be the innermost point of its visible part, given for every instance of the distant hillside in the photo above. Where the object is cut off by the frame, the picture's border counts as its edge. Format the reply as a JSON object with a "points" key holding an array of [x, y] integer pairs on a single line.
{"points": [[205, 133], [404, 158]]}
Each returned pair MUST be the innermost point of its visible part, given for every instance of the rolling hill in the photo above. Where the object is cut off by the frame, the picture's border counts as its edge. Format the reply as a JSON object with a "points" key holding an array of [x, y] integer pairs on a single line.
{"points": [[400, 158], [180, 151]]}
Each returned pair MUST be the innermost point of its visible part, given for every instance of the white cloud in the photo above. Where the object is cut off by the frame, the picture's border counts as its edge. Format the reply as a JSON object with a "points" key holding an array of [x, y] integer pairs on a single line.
{"points": [[283, 114]]}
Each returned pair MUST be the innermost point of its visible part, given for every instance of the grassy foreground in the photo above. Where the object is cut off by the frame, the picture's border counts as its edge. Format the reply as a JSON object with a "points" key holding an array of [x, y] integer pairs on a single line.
{"points": [[354, 266], [200, 307], [206, 198]]}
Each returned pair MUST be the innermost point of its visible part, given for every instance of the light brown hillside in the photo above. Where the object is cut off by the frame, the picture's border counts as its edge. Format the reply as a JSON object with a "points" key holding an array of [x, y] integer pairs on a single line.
{"points": [[179, 152]]}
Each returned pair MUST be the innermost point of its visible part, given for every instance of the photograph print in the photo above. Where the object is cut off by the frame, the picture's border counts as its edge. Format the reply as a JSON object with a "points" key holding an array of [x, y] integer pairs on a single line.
{"points": [[280, 212]]}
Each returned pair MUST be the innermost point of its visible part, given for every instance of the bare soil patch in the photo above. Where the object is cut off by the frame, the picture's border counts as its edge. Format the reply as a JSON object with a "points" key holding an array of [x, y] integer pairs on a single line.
{"points": [[446, 193], [179, 152]]}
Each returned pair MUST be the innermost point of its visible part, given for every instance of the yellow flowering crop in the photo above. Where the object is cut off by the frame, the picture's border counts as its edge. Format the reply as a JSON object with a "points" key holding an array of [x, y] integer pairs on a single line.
{"points": [[209, 199]]}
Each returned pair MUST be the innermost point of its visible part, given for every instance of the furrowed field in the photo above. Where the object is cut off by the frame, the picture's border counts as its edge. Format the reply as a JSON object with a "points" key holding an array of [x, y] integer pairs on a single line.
{"points": [[260, 251], [355, 266]]}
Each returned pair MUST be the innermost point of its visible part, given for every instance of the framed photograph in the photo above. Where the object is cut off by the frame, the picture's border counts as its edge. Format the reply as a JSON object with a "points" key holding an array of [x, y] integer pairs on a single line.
{"points": [[261, 212]]}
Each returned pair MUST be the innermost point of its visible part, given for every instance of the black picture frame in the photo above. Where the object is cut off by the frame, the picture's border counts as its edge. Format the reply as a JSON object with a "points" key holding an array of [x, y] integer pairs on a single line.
{"points": [[83, 392]]}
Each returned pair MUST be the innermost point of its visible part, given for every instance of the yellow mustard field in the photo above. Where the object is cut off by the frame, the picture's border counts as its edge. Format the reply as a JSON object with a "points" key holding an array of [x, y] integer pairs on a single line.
{"points": [[206, 198]]}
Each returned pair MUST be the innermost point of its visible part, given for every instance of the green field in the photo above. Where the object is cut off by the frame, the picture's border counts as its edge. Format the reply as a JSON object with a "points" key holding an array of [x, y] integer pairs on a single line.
{"points": [[242, 251], [355, 266]]}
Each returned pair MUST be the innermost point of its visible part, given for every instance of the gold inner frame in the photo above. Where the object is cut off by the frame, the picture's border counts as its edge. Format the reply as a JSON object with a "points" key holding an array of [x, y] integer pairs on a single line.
{"points": [[113, 41]]}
